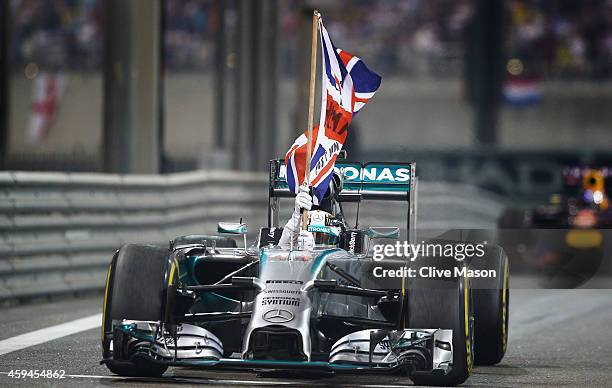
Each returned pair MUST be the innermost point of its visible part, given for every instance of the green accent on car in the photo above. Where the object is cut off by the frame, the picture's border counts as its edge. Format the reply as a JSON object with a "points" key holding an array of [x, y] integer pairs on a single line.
{"points": [[272, 363], [386, 177], [321, 259], [130, 329]]}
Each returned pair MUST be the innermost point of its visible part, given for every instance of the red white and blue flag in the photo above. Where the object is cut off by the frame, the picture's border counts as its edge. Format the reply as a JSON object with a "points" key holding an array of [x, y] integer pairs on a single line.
{"points": [[522, 91], [347, 86]]}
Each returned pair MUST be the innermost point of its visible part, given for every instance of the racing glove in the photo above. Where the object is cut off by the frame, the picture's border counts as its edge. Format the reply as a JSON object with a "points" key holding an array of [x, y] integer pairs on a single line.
{"points": [[303, 200]]}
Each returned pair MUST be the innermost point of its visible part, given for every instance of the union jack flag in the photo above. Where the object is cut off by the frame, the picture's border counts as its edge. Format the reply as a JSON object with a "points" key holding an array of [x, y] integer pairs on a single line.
{"points": [[347, 85]]}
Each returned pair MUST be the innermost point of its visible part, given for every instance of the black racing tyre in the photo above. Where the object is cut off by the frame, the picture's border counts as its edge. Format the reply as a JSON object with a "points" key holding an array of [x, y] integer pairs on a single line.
{"points": [[139, 368], [445, 304], [491, 296], [136, 290]]}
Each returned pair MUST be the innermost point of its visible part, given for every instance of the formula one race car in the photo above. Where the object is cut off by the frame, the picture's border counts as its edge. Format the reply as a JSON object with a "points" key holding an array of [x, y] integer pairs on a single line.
{"points": [[204, 302], [583, 203], [563, 239]]}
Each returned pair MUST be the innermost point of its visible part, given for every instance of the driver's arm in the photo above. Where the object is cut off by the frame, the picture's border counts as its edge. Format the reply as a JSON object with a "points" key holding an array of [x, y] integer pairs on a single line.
{"points": [[303, 200]]}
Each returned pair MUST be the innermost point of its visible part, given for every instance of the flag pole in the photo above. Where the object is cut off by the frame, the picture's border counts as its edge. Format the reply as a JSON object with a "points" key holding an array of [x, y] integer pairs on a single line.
{"points": [[313, 68]]}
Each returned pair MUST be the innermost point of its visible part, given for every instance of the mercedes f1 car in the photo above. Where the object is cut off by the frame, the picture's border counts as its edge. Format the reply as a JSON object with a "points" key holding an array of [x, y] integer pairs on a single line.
{"points": [[208, 302]]}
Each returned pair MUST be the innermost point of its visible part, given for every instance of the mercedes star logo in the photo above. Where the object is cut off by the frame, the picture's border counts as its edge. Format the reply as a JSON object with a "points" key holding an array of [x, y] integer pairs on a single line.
{"points": [[278, 316]]}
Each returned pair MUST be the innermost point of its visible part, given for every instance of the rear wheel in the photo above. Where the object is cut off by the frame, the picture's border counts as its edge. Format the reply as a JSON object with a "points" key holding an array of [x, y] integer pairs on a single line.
{"points": [[491, 307], [135, 290], [444, 304]]}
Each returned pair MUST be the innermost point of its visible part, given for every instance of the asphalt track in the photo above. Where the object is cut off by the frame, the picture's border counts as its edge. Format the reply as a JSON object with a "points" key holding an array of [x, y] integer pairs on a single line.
{"points": [[558, 338]]}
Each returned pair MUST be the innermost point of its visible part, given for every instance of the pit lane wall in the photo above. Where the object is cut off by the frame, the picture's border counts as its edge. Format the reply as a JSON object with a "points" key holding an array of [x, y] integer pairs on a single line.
{"points": [[58, 231]]}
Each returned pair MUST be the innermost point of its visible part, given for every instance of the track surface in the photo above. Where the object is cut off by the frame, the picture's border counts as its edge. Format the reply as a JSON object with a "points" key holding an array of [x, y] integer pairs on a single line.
{"points": [[558, 338]]}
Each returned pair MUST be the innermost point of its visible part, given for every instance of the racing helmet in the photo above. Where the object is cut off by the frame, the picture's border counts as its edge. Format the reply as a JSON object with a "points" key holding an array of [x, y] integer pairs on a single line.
{"points": [[336, 184], [324, 227]]}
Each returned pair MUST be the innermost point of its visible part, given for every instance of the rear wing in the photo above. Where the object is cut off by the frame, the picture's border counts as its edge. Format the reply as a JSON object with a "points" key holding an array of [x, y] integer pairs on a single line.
{"points": [[386, 181]]}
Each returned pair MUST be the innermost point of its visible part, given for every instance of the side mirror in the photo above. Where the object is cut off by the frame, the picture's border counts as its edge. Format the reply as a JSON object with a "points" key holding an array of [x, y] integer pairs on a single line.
{"points": [[383, 232], [235, 228], [374, 233]]}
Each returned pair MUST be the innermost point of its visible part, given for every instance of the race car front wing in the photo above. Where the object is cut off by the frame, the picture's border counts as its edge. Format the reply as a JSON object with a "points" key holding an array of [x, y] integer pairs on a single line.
{"points": [[372, 350]]}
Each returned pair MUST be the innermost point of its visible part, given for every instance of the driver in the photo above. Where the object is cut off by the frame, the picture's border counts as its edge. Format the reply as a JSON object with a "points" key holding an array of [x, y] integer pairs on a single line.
{"points": [[325, 221]]}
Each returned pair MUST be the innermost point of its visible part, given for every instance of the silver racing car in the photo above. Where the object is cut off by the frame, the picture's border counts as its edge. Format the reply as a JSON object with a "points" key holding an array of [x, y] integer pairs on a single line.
{"points": [[209, 302]]}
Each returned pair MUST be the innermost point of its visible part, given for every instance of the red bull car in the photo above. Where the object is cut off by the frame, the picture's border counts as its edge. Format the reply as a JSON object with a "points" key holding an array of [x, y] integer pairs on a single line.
{"points": [[564, 239]]}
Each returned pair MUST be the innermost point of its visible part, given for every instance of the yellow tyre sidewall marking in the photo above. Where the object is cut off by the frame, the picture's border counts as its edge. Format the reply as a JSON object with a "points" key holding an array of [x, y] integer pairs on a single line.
{"points": [[173, 270], [105, 298], [505, 306], [468, 345], [404, 299]]}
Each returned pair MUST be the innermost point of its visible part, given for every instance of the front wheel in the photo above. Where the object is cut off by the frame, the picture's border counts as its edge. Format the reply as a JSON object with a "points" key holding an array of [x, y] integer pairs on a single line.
{"points": [[444, 304], [135, 289]]}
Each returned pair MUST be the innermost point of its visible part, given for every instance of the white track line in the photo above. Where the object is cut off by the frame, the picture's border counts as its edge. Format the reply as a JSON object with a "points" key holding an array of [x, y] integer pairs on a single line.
{"points": [[206, 381], [38, 337]]}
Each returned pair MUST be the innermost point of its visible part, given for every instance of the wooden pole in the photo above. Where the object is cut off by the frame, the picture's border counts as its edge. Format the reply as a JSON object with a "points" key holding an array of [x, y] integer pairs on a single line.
{"points": [[313, 68]]}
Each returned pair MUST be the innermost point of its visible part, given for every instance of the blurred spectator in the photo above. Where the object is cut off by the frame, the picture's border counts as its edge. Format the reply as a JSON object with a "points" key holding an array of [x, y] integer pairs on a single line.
{"points": [[69, 34], [550, 38], [566, 39], [57, 34], [408, 37], [191, 26]]}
